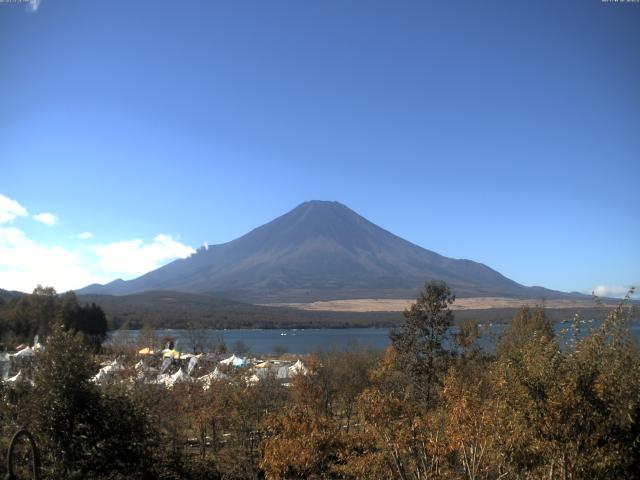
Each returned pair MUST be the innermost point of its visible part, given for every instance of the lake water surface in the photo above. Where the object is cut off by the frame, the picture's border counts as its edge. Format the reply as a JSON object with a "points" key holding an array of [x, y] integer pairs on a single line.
{"points": [[303, 341]]}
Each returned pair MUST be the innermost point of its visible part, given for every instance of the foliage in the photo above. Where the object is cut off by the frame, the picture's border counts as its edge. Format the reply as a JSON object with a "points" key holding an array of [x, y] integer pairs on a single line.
{"points": [[572, 412], [30, 315], [419, 340], [466, 337], [299, 444], [542, 406], [313, 438], [83, 432], [526, 326], [87, 319]]}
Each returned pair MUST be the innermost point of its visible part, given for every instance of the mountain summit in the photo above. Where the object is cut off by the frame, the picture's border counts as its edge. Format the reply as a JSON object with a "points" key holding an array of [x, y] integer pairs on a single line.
{"points": [[319, 251]]}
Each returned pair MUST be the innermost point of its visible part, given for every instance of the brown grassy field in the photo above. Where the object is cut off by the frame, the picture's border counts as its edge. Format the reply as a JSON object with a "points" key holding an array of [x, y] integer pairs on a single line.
{"points": [[398, 305]]}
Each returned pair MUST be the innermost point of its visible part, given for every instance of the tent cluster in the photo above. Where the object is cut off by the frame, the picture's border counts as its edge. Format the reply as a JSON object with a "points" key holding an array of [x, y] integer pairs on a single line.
{"points": [[169, 367], [164, 368], [108, 372], [277, 369], [13, 365]]}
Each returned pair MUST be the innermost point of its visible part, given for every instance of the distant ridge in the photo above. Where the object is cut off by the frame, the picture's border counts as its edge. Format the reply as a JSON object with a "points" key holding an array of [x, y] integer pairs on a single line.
{"points": [[320, 251], [6, 295]]}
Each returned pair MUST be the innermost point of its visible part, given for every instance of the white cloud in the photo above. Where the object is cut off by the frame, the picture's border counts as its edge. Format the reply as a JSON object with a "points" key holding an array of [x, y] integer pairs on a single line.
{"points": [[612, 291], [134, 257], [10, 209], [33, 5], [46, 218], [25, 263]]}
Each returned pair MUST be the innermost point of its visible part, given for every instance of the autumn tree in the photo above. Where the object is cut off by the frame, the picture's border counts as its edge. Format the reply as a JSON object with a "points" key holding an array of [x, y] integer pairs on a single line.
{"points": [[466, 337], [528, 324], [303, 440], [147, 338], [571, 412], [472, 426], [349, 373]]}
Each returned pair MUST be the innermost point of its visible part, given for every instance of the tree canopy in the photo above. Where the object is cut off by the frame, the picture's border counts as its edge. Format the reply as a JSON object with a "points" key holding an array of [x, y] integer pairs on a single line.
{"points": [[419, 341], [24, 317]]}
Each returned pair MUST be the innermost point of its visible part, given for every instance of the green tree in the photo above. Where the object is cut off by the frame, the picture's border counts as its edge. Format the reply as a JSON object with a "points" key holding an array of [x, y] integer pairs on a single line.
{"points": [[87, 319], [83, 432], [33, 314], [65, 404], [419, 340]]}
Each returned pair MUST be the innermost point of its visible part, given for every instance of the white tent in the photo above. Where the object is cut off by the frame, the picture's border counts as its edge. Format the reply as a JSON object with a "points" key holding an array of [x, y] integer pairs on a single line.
{"points": [[177, 377], [228, 360], [264, 373], [107, 372], [283, 372], [206, 380], [270, 364], [113, 367], [16, 378], [101, 377], [166, 363], [143, 370], [298, 368], [193, 361], [24, 353], [233, 360]]}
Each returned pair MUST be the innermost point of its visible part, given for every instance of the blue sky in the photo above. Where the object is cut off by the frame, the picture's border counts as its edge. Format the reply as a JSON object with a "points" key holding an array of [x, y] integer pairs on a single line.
{"points": [[504, 132]]}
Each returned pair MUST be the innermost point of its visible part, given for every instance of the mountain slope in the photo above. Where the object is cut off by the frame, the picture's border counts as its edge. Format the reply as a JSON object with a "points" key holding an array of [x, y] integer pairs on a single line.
{"points": [[318, 251], [7, 295]]}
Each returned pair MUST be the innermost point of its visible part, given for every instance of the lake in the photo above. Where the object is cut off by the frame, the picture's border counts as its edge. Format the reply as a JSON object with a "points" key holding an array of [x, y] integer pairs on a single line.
{"points": [[303, 341]]}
